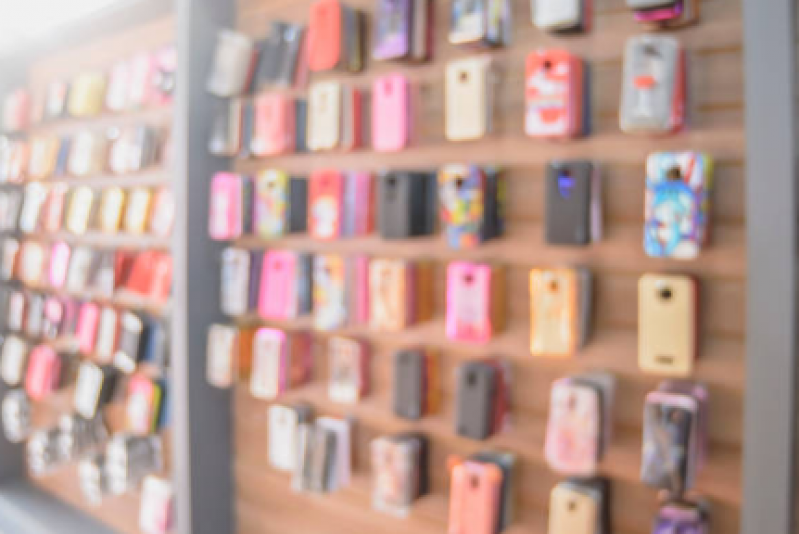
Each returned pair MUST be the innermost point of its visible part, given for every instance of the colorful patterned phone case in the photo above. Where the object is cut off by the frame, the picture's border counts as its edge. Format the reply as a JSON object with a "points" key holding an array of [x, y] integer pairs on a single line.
{"points": [[677, 214], [325, 204], [461, 191], [553, 94], [329, 292]]}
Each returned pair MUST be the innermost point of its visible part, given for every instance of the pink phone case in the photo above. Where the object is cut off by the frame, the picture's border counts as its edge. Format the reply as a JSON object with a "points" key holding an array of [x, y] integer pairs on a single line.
{"points": [[573, 438], [361, 290], [390, 113], [226, 206], [59, 262], [87, 327], [469, 302], [43, 372], [364, 202], [273, 125], [278, 297]]}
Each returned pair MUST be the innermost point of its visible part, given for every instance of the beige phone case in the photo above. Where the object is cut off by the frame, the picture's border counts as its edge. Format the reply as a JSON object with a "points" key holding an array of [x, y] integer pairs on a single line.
{"points": [[554, 314], [112, 203], [80, 210], [667, 316], [138, 210], [572, 512], [324, 116], [467, 99]]}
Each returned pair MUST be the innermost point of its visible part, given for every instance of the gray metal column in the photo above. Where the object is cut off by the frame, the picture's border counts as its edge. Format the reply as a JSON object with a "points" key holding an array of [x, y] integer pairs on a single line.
{"points": [[771, 369], [201, 414]]}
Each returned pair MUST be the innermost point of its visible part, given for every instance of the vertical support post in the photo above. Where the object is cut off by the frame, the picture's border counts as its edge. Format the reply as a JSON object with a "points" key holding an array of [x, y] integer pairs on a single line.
{"points": [[202, 449], [772, 300]]}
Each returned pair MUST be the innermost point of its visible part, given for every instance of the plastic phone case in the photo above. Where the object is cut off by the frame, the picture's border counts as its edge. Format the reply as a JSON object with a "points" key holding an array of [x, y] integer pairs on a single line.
{"points": [[467, 98], [329, 292]]}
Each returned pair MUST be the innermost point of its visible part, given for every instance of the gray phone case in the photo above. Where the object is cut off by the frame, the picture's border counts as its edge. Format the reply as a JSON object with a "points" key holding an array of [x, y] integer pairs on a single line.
{"points": [[409, 384], [568, 202], [650, 109], [477, 382]]}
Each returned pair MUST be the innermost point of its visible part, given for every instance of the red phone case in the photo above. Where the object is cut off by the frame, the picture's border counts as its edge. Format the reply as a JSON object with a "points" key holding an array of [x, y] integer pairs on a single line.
{"points": [[325, 204], [324, 35]]}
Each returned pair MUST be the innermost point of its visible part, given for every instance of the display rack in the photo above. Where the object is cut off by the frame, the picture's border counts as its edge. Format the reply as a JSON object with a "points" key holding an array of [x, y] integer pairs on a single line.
{"points": [[743, 111]]}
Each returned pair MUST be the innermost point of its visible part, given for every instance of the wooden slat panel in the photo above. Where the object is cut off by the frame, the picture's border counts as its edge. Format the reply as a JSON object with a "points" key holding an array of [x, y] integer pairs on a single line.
{"points": [[715, 109]]}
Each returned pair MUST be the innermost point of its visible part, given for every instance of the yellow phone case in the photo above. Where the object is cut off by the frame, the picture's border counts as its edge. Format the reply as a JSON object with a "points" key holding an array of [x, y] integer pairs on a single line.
{"points": [[467, 95]]}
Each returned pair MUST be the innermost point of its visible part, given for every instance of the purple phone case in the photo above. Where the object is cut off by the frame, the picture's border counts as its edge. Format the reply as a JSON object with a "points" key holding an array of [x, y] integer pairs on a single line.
{"points": [[393, 33], [661, 14], [675, 520]]}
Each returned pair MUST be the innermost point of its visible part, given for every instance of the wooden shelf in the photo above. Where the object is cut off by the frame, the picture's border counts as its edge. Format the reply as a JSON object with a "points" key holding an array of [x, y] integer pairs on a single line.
{"points": [[121, 298], [105, 241], [155, 176], [159, 117]]}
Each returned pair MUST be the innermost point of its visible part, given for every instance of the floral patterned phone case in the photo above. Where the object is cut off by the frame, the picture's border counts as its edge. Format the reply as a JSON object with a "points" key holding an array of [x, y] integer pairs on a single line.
{"points": [[574, 430], [677, 219], [329, 292], [390, 294], [474, 302]]}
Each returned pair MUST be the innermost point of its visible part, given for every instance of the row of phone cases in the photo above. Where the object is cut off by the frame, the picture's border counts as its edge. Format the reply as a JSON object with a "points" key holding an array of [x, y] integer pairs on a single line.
{"points": [[580, 507], [122, 466], [400, 473], [482, 493], [483, 393], [684, 517], [16, 111], [658, 14], [55, 207], [403, 30], [48, 448], [117, 150], [80, 269], [480, 22], [323, 462], [580, 423], [157, 509], [241, 64], [675, 436], [109, 336]]}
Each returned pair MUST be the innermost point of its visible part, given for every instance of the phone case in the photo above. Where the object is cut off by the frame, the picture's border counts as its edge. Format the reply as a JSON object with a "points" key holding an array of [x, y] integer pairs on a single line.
{"points": [[10, 257], [54, 319], [157, 514], [476, 391], [163, 213], [53, 209], [112, 204], [140, 89], [280, 204], [235, 281], [233, 63], [397, 473], [474, 498], [32, 263], [468, 22], [559, 311], [137, 211], [474, 302], [574, 430], [573, 203], [279, 298], [553, 95], [668, 324], [670, 434], [329, 292], [462, 193], [677, 214], [44, 372], [43, 156], [143, 405], [92, 389], [274, 131], [326, 35], [16, 416], [107, 329], [349, 370], [390, 294], [33, 200], [683, 517], [164, 76], [81, 206], [393, 29], [86, 94], [270, 365], [325, 115], [391, 114], [225, 220], [573, 512], [325, 204], [119, 77], [59, 263], [407, 204], [13, 360], [15, 318], [228, 128], [468, 105], [87, 153], [558, 15], [410, 386], [653, 93], [283, 438], [78, 272]]}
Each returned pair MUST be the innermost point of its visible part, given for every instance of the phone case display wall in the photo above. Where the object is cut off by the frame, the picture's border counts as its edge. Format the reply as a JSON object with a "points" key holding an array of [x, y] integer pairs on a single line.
{"points": [[494, 251], [87, 212]]}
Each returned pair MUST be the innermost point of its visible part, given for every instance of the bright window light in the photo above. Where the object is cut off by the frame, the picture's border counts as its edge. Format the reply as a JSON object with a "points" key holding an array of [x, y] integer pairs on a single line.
{"points": [[24, 22]]}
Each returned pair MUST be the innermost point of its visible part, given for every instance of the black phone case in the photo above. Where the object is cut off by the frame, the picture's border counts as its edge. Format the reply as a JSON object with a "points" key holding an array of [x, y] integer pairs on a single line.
{"points": [[219, 140], [130, 345], [156, 343], [298, 205], [423, 468], [405, 205], [291, 45], [247, 204], [568, 203], [409, 388], [268, 57], [477, 383], [247, 125]]}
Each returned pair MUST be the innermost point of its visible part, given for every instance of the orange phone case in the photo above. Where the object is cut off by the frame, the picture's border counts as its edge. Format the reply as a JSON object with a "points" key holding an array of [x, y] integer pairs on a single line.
{"points": [[554, 312], [474, 498], [324, 35]]}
